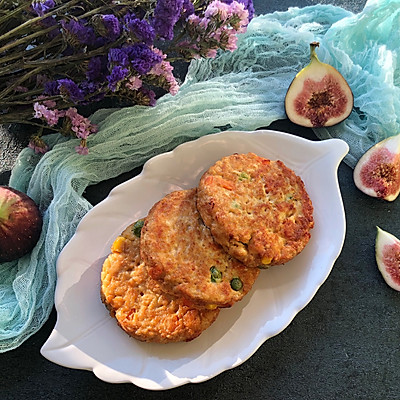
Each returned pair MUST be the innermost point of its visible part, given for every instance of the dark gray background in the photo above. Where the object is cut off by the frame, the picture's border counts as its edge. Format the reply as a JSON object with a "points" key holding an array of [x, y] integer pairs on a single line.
{"points": [[343, 345]]}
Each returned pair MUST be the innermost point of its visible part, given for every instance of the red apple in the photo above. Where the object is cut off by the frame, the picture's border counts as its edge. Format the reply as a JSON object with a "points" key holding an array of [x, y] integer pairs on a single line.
{"points": [[20, 224]]}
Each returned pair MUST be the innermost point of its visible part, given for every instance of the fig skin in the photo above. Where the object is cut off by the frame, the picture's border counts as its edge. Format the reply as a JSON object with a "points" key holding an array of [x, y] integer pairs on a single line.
{"points": [[319, 95], [387, 254], [20, 224], [377, 172]]}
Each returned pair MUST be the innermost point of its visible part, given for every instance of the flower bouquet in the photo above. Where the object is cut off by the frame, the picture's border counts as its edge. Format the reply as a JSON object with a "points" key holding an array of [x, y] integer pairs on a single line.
{"points": [[56, 57]]}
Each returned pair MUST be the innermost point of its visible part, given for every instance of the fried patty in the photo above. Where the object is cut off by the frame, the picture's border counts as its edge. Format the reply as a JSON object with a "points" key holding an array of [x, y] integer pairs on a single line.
{"points": [[182, 256], [258, 210], [141, 308]]}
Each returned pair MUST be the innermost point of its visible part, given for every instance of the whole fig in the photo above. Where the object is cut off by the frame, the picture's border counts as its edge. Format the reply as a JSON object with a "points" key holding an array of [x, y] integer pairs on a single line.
{"points": [[20, 224]]}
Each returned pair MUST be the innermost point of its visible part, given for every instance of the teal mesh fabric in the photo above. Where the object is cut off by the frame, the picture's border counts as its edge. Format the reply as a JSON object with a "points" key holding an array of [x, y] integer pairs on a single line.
{"points": [[366, 49], [243, 90]]}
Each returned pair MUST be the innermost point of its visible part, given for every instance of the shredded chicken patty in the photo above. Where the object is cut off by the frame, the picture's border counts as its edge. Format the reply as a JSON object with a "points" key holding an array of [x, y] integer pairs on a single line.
{"points": [[258, 210], [137, 302]]}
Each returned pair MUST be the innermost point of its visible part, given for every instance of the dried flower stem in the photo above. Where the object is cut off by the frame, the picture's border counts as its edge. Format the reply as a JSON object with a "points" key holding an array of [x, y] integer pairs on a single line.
{"points": [[130, 4], [32, 21], [19, 81], [11, 13], [28, 54], [25, 39]]}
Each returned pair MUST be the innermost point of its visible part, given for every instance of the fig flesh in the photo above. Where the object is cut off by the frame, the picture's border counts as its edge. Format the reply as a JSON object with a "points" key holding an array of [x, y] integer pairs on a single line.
{"points": [[387, 253], [319, 95], [377, 172], [20, 224]]}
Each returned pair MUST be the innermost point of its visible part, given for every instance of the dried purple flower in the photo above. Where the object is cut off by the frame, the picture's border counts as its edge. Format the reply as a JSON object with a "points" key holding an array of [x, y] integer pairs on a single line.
{"points": [[38, 145], [226, 21], [49, 115], [248, 5], [94, 91], [164, 69], [80, 125], [118, 74], [51, 88], [147, 96], [49, 22], [134, 83], [107, 26], [188, 8], [82, 149], [118, 57], [70, 90], [166, 15], [77, 33], [97, 68], [138, 29], [41, 7], [126, 59], [142, 58]]}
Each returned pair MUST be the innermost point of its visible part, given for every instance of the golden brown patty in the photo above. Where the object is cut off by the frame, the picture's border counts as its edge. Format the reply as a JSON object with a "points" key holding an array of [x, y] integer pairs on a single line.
{"points": [[139, 305], [257, 209], [181, 254]]}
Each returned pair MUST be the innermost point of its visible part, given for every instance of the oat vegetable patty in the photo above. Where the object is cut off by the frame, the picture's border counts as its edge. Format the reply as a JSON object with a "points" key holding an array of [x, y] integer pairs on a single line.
{"points": [[137, 302], [258, 210], [181, 254]]}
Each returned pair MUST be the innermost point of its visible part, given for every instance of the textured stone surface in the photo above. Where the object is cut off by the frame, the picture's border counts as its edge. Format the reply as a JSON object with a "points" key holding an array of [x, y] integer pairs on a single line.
{"points": [[12, 141]]}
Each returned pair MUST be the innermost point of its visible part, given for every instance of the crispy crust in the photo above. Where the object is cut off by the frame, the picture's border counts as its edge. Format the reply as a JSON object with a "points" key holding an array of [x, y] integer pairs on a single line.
{"points": [[180, 252], [141, 308], [258, 210]]}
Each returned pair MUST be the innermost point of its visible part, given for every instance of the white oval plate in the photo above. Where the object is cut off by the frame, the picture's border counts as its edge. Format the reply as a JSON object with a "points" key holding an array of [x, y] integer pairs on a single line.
{"points": [[86, 337]]}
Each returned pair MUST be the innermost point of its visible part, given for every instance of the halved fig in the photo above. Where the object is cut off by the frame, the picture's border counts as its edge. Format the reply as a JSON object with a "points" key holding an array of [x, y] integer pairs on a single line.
{"points": [[377, 172], [387, 253], [319, 95]]}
